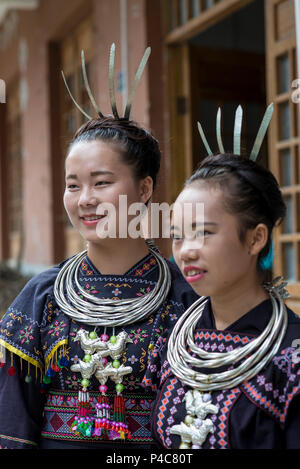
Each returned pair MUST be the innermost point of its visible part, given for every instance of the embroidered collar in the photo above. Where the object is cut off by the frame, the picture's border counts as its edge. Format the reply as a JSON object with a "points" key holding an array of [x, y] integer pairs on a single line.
{"points": [[140, 269]]}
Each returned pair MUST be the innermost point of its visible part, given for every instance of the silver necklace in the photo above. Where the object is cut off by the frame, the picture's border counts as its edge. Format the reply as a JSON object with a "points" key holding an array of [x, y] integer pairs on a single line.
{"points": [[253, 357], [106, 312]]}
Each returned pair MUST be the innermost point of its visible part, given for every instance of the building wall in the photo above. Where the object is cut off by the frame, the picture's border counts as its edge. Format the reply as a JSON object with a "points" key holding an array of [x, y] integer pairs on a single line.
{"points": [[24, 49]]}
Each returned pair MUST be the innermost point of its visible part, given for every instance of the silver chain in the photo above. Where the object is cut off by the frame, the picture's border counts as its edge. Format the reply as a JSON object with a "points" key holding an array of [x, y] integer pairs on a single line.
{"points": [[254, 356], [106, 312]]}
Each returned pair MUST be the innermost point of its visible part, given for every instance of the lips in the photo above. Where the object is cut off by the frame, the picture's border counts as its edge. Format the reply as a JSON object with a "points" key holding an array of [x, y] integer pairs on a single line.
{"points": [[193, 273], [92, 219]]}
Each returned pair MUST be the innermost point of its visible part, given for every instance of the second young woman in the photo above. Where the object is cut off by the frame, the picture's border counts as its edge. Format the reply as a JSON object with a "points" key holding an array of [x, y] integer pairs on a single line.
{"points": [[229, 376]]}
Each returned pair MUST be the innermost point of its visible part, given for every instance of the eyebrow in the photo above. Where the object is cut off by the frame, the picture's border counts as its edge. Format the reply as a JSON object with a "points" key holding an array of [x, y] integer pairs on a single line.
{"points": [[195, 225], [93, 174]]}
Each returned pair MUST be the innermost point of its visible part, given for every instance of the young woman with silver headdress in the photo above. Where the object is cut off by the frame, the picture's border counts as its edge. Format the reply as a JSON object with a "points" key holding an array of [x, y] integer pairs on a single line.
{"points": [[228, 376], [78, 337]]}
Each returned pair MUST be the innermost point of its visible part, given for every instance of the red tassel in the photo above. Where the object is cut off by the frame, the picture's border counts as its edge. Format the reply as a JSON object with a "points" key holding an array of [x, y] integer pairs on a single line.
{"points": [[11, 371], [119, 425], [55, 368]]}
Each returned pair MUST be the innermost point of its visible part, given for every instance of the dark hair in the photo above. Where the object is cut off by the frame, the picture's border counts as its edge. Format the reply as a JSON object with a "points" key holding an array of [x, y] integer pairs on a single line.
{"points": [[252, 192], [138, 147]]}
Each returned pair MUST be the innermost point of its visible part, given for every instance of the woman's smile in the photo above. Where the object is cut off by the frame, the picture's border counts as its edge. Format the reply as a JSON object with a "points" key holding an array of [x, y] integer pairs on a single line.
{"points": [[193, 274]]}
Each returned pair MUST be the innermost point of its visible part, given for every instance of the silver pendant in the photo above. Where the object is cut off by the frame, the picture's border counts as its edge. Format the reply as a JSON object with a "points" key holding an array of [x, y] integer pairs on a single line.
{"points": [[95, 360], [115, 374], [196, 426]]}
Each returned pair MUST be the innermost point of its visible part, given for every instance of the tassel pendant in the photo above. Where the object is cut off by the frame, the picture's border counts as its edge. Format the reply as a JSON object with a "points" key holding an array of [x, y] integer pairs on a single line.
{"points": [[84, 422], [102, 419], [11, 371], [119, 424], [97, 351]]}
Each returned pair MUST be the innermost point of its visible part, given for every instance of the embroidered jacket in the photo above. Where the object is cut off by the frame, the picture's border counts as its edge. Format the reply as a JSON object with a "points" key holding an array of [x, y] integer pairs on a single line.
{"points": [[38, 390], [262, 413]]}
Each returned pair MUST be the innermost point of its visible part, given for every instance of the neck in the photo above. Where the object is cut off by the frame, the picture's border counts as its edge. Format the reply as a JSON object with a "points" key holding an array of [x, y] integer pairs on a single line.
{"points": [[236, 302], [117, 257]]}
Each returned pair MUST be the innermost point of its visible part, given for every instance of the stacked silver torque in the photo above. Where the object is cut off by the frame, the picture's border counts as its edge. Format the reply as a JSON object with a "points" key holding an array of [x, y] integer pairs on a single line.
{"points": [[106, 312], [242, 363]]}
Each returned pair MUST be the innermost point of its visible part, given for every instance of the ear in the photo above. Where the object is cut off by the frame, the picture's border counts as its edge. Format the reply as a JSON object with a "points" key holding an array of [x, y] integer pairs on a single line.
{"points": [[258, 238], [146, 189]]}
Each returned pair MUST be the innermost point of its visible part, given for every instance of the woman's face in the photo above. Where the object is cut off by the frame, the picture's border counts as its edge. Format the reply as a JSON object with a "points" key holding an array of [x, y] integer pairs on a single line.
{"points": [[213, 259], [95, 175]]}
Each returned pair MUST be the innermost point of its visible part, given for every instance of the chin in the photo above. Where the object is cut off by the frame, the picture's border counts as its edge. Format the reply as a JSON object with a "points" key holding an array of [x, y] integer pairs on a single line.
{"points": [[202, 290], [96, 241]]}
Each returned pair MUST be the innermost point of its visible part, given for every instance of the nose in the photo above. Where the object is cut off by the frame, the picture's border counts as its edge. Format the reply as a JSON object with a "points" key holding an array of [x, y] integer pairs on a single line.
{"points": [[87, 198], [189, 250]]}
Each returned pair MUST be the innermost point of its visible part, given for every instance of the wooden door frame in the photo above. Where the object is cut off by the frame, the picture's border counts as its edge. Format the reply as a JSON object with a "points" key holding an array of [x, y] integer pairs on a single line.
{"points": [[204, 20], [180, 116]]}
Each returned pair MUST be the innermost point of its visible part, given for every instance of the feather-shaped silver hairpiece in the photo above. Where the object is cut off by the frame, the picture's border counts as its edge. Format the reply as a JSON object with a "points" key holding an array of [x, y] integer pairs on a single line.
{"points": [[112, 81], [87, 86], [219, 137], [262, 132], [237, 132], [204, 140], [111, 85]]}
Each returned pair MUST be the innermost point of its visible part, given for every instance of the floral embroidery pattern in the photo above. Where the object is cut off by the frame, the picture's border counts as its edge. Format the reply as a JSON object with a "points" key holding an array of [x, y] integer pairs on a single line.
{"points": [[116, 291], [131, 382], [26, 335], [146, 266], [143, 291], [84, 266], [158, 331], [56, 328], [132, 359], [73, 332], [75, 359], [72, 382], [138, 336], [90, 288]]}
